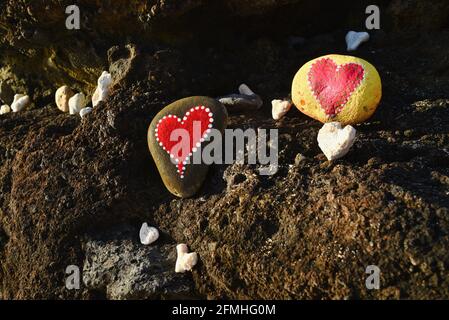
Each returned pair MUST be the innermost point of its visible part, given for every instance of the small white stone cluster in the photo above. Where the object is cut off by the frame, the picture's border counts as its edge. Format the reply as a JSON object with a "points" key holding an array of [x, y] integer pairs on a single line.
{"points": [[355, 39], [21, 101], [185, 261], [68, 101], [335, 141]]}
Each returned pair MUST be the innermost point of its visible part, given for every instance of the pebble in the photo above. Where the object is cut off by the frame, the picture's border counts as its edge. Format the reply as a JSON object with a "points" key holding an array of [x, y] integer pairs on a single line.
{"points": [[21, 101], [245, 100], [337, 88], [180, 176], [62, 96], [185, 261], [76, 103], [5, 109], [85, 111], [355, 39], [280, 108], [103, 87], [335, 141], [147, 234]]}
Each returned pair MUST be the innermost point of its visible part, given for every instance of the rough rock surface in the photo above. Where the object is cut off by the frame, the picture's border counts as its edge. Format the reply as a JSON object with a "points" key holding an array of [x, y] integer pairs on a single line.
{"points": [[124, 269], [309, 231]]}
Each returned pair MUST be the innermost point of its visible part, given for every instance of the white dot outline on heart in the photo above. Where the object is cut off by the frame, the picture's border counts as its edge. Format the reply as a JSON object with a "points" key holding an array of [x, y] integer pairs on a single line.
{"points": [[194, 149]]}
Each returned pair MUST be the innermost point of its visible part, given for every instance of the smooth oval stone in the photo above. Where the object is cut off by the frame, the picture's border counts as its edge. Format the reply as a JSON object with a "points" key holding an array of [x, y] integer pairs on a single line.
{"points": [[337, 88], [174, 154], [62, 96]]}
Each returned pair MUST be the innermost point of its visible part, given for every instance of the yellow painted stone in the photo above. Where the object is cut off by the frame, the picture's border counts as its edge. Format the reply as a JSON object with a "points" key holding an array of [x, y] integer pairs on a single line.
{"points": [[337, 88]]}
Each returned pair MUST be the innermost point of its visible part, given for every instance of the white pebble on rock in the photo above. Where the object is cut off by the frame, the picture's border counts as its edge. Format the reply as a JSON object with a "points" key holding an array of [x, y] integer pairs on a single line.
{"points": [[185, 261], [5, 109], [246, 99], [62, 96], [244, 89], [76, 103], [85, 111], [147, 234], [334, 140], [102, 91], [355, 39], [280, 108], [21, 101]]}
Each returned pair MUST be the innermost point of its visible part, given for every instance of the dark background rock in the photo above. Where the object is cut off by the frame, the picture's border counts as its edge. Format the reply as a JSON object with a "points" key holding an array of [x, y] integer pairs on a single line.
{"points": [[307, 232]]}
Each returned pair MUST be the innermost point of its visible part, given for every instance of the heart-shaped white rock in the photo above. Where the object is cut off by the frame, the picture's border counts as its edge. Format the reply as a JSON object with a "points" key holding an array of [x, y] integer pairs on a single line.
{"points": [[280, 108], [355, 39], [147, 234], [185, 261], [334, 141]]}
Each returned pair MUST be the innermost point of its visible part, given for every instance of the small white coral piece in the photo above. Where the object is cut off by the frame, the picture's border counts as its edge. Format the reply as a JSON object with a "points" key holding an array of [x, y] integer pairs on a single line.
{"points": [[246, 99], [334, 141], [85, 111], [355, 39], [147, 234], [185, 261], [76, 103], [21, 101], [5, 109], [280, 108], [102, 91], [62, 96], [244, 89]]}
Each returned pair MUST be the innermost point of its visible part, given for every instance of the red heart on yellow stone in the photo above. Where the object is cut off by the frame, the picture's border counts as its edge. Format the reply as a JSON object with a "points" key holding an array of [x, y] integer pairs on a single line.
{"points": [[333, 85], [337, 88]]}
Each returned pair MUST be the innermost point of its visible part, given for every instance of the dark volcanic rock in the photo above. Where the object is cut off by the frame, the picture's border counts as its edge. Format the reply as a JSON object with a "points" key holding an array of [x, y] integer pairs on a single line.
{"points": [[121, 268]]}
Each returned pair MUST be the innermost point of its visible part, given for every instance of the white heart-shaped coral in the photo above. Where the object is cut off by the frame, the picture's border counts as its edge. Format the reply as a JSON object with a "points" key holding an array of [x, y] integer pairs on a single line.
{"points": [[355, 39], [334, 141], [147, 234]]}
